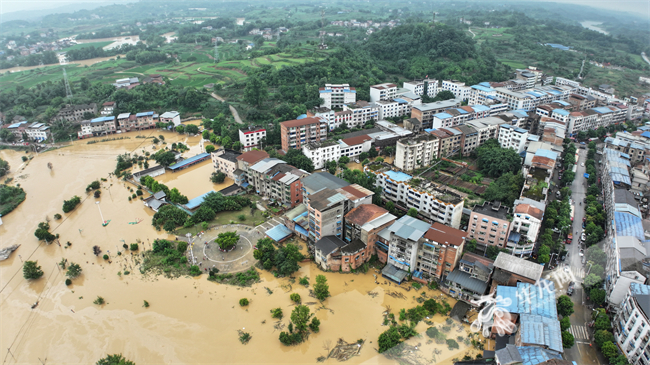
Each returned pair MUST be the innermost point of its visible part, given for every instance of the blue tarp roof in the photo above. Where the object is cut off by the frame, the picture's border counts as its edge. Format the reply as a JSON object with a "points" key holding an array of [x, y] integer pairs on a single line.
{"points": [[190, 160], [514, 236], [480, 108], [561, 112], [279, 232], [429, 130], [540, 299], [602, 110], [194, 203], [302, 116], [102, 119], [301, 230], [541, 331], [546, 153], [507, 298], [629, 225], [16, 125], [398, 176], [400, 100], [143, 114], [520, 113], [442, 115], [482, 88], [645, 134]]}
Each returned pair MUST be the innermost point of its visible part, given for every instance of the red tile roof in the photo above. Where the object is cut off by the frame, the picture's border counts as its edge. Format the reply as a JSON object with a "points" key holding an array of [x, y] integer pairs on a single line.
{"points": [[356, 140], [530, 210], [109, 103], [253, 157], [356, 191], [278, 177], [445, 234], [364, 213], [301, 122]]}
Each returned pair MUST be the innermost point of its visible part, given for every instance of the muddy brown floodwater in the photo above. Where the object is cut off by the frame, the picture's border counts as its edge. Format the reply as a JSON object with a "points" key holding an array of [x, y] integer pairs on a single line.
{"points": [[190, 320]]}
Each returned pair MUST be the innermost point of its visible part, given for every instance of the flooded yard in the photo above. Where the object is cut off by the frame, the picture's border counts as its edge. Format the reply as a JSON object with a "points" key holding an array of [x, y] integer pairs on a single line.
{"points": [[190, 320]]}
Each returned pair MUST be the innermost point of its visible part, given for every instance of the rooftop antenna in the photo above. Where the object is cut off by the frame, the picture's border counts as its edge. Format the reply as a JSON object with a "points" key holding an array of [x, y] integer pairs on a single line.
{"points": [[68, 91]]}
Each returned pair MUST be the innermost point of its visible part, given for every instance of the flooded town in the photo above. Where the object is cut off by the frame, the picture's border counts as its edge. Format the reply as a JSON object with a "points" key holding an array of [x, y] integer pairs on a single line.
{"points": [[301, 183]]}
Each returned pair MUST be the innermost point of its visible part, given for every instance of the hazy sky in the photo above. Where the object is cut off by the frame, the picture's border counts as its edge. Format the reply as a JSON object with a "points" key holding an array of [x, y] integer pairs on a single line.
{"points": [[639, 7]]}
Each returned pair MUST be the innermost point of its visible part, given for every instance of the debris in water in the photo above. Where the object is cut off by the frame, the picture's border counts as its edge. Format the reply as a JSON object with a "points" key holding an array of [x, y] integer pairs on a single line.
{"points": [[6, 252], [396, 294], [373, 294], [344, 351]]}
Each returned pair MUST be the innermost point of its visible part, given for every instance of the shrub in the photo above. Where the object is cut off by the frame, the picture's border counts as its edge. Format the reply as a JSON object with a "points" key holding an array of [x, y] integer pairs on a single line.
{"points": [[146, 304], [57, 216], [93, 186], [195, 270], [74, 270], [241, 217], [69, 205], [452, 344], [416, 285], [243, 302], [432, 332], [105, 257], [68, 282], [99, 301], [295, 297], [138, 192], [276, 313], [134, 247], [31, 270], [244, 337], [321, 289], [303, 281], [389, 339], [314, 325], [126, 247], [97, 193], [181, 247]]}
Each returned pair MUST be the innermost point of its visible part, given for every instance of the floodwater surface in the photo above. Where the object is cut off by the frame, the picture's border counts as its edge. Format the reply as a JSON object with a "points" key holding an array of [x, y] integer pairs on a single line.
{"points": [[190, 320]]}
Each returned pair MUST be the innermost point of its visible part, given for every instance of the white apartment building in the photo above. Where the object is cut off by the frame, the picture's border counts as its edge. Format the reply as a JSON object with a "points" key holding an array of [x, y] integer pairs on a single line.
{"points": [[322, 152], [456, 116], [38, 132], [482, 94], [167, 117], [436, 203], [582, 121], [337, 95], [498, 109], [515, 100], [250, 137], [393, 108], [417, 87], [458, 88], [354, 146], [512, 137], [404, 236], [486, 127], [97, 127], [384, 91], [527, 220], [632, 325], [415, 152], [361, 112], [107, 108]]}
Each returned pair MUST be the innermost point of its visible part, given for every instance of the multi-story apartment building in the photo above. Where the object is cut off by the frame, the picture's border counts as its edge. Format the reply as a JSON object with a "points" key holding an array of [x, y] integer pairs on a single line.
{"points": [[512, 137], [582, 121], [450, 141], [456, 116], [471, 279], [637, 147], [124, 121], [425, 112], [337, 95], [489, 224], [385, 91], [145, 120], [416, 152], [276, 179], [298, 132], [487, 128], [439, 252], [38, 132], [436, 203], [458, 88], [393, 108], [364, 223], [405, 237], [97, 127], [481, 94], [526, 224], [250, 137], [319, 181], [582, 102], [516, 100], [245, 161], [469, 140], [322, 152], [632, 325], [75, 113], [225, 161], [417, 87], [352, 147], [107, 108], [362, 112], [171, 117]]}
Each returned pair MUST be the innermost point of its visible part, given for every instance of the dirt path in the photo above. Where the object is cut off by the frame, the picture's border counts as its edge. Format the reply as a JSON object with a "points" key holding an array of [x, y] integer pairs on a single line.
{"points": [[645, 58], [473, 34], [232, 108]]}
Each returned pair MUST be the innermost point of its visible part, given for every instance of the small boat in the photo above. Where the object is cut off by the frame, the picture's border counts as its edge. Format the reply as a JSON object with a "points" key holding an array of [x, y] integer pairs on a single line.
{"points": [[35, 305], [106, 223]]}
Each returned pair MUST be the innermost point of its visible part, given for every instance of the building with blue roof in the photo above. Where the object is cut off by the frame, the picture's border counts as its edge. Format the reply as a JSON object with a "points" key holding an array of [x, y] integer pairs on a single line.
{"points": [[561, 112], [196, 202], [189, 162], [279, 233]]}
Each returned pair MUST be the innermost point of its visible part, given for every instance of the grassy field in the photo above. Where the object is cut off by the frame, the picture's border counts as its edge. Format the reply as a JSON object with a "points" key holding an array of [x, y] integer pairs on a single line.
{"points": [[223, 218], [511, 63]]}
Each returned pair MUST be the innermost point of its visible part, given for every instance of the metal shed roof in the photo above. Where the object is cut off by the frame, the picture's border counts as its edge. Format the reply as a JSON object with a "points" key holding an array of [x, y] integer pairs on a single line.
{"points": [[279, 232]]}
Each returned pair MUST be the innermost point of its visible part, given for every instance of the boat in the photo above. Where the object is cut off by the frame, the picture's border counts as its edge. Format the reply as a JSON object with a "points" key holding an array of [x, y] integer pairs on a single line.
{"points": [[35, 305], [6, 252]]}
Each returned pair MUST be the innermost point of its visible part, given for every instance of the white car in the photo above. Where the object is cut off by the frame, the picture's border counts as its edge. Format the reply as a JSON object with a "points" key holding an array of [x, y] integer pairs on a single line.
{"points": [[566, 268], [582, 164], [583, 237], [582, 253]]}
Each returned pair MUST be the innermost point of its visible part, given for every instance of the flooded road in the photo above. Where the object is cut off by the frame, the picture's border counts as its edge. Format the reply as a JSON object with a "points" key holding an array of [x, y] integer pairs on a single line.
{"points": [[190, 320]]}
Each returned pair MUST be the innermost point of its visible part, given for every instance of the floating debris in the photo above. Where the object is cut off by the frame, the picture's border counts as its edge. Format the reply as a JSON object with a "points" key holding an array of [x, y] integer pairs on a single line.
{"points": [[373, 294], [344, 351], [395, 294], [6, 252]]}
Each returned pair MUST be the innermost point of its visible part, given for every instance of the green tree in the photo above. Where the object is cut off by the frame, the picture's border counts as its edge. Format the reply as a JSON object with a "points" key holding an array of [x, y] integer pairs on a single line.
{"points": [[165, 158], [210, 148], [31, 270], [592, 280], [74, 270], [565, 323], [114, 360], [444, 95], [295, 297], [543, 254], [255, 92], [412, 212], [191, 129], [344, 160], [180, 129], [300, 317], [227, 240], [609, 349], [389, 339], [218, 177], [564, 306], [321, 289], [602, 336], [567, 340]]}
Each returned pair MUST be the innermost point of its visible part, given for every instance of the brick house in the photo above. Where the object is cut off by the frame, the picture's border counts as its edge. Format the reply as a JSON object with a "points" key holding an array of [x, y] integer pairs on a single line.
{"points": [[364, 223]]}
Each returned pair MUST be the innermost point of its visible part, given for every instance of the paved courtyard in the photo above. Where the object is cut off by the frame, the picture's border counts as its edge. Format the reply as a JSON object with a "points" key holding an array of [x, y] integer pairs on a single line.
{"points": [[205, 252]]}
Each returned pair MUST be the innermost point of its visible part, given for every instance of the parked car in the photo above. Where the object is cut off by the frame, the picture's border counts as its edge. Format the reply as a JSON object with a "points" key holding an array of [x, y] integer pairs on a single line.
{"points": [[583, 237], [570, 289], [582, 164], [582, 252], [583, 224]]}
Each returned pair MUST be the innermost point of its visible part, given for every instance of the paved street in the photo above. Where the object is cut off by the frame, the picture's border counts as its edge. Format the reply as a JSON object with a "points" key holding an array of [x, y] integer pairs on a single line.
{"points": [[582, 352]]}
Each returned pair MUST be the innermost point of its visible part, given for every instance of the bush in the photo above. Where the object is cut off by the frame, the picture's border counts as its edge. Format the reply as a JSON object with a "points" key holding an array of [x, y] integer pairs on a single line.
{"points": [[195, 270], [31, 270], [241, 217], [389, 339], [321, 289], [314, 325], [243, 302], [134, 247], [69, 205], [295, 297], [57, 216], [74, 270], [452, 344], [303, 281], [99, 301], [93, 186], [244, 337], [276, 313], [97, 193], [181, 247], [105, 257], [146, 304], [68, 282]]}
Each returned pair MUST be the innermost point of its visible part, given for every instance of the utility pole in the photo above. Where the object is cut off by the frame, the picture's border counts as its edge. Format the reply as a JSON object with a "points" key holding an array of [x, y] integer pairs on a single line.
{"points": [[68, 91]]}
